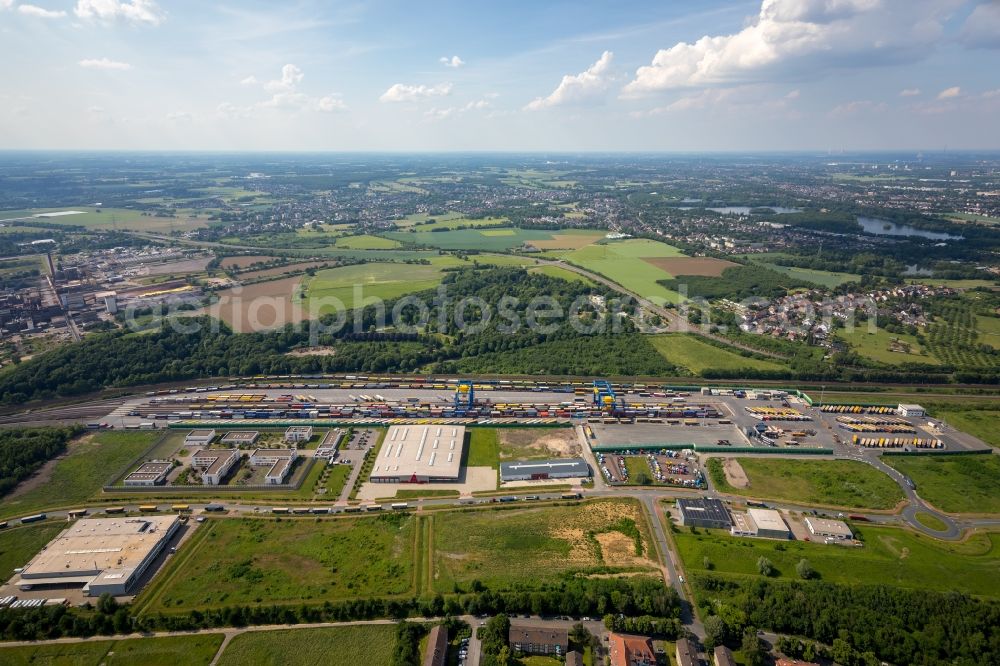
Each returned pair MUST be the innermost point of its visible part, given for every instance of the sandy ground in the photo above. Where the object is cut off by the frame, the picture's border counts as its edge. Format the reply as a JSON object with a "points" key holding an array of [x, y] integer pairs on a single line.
{"points": [[555, 443], [473, 479], [735, 475], [175, 267]]}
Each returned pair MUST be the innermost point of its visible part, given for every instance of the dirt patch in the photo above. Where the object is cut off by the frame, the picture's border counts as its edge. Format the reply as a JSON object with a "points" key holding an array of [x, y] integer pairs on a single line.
{"points": [[313, 351], [580, 551], [260, 306], [567, 241], [735, 475], [175, 267], [529, 443], [705, 266], [619, 550]]}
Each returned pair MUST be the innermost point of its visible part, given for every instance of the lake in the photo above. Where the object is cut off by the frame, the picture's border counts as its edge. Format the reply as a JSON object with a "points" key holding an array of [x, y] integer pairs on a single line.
{"points": [[873, 225], [744, 210]]}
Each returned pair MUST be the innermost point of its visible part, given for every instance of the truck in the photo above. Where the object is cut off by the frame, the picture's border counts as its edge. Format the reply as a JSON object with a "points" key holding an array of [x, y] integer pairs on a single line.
{"points": [[33, 519]]}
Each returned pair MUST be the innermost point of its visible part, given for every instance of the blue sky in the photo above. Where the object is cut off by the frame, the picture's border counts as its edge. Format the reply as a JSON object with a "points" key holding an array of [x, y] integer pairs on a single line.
{"points": [[666, 75]]}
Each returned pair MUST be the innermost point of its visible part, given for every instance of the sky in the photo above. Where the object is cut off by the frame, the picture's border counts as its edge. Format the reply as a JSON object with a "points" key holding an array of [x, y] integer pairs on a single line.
{"points": [[518, 75]]}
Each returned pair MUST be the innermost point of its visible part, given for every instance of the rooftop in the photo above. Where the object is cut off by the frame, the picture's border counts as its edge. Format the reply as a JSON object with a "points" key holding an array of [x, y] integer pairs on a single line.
{"points": [[577, 466], [432, 451], [704, 509], [768, 519]]}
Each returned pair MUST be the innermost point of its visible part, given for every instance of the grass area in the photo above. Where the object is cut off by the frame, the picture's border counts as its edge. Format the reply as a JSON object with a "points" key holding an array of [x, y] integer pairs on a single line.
{"points": [[107, 219], [378, 280], [366, 242], [92, 461], [981, 423], [408, 493], [830, 482], [689, 352], [336, 480], [886, 347], [507, 548], [989, 330], [621, 261], [470, 239], [890, 556], [195, 649], [972, 217], [957, 484], [484, 448], [931, 521], [255, 560], [562, 274], [365, 644], [20, 543], [824, 278]]}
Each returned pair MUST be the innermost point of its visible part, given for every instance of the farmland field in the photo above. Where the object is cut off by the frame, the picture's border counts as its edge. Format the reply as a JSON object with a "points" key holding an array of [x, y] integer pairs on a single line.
{"points": [[20, 544], [824, 278], [830, 482], [378, 280], [675, 266], [247, 561], [469, 239], [689, 352], [90, 462], [989, 330], [196, 649], [876, 346], [281, 270], [107, 219], [957, 484], [366, 242], [245, 261], [890, 556], [366, 644], [263, 305], [569, 239], [504, 549], [619, 261], [562, 274]]}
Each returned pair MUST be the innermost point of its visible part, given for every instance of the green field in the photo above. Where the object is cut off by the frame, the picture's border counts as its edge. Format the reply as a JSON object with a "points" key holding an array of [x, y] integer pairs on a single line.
{"points": [[956, 484], [890, 556], [366, 242], [876, 346], [484, 448], [366, 644], [981, 423], [989, 330], [689, 352], [20, 544], [91, 462], [254, 561], [931, 521], [486, 240], [110, 219], [374, 280], [830, 482], [194, 649], [529, 547], [622, 262], [824, 278], [562, 274]]}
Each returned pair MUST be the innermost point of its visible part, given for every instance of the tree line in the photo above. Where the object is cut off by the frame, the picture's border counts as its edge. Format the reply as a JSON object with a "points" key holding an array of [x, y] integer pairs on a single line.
{"points": [[24, 450]]}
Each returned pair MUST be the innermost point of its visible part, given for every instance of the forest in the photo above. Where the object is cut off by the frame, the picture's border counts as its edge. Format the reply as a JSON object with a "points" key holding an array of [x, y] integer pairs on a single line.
{"points": [[24, 450]]}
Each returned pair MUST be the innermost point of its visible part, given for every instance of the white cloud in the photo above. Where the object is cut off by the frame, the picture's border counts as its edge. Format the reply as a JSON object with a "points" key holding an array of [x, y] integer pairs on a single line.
{"points": [[982, 28], [401, 92], [948, 93], [179, 116], [453, 61], [130, 11], [909, 92], [856, 107], [6, 4], [799, 39], [104, 63], [441, 114], [291, 76], [580, 87], [330, 103], [40, 12], [249, 81], [738, 98]]}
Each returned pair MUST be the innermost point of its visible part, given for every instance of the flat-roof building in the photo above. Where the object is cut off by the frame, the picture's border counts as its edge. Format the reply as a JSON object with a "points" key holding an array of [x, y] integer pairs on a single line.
{"points": [[710, 513], [538, 640], [101, 554], [331, 442], [526, 470], [629, 650], [828, 529], [278, 460], [911, 410], [762, 523], [420, 454], [299, 434], [215, 464], [199, 438], [152, 473], [240, 437]]}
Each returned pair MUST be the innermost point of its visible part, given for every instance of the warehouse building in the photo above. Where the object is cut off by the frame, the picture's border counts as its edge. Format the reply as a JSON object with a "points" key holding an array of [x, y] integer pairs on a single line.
{"points": [[215, 464], [240, 438], [152, 473], [297, 434], [571, 468], [761, 523], [100, 554], [710, 513], [279, 461], [828, 529], [911, 410], [420, 454], [199, 438]]}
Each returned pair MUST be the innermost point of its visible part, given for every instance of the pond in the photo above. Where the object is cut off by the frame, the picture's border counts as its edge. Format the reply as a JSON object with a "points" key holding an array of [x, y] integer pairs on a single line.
{"points": [[873, 225], [744, 210]]}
